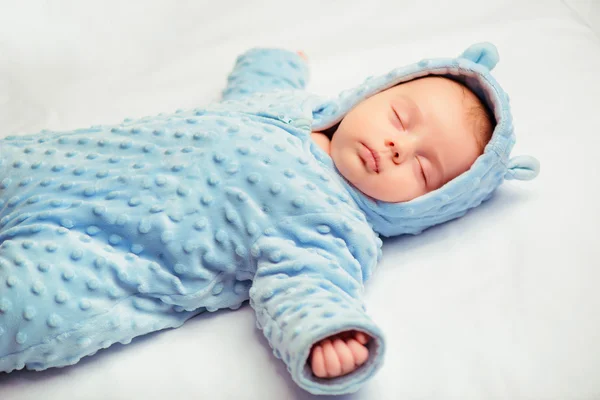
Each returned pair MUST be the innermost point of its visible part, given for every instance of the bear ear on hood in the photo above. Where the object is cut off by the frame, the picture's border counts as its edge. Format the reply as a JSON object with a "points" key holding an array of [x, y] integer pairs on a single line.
{"points": [[523, 168], [484, 54]]}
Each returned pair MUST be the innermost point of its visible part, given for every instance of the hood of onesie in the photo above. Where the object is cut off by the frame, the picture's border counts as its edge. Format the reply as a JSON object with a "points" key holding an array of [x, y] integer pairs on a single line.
{"points": [[473, 69]]}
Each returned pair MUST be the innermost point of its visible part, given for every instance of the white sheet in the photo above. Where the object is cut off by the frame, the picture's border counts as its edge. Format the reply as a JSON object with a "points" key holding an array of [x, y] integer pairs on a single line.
{"points": [[502, 304]]}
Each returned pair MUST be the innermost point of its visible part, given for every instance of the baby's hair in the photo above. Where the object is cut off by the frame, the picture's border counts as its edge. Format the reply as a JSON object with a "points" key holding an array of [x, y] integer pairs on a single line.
{"points": [[480, 116]]}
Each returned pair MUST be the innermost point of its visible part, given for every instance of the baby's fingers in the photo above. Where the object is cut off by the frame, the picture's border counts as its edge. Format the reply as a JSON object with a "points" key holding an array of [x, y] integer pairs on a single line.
{"points": [[361, 338], [302, 54], [318, 362], [360, 352], [332, 362], [345, 356]]}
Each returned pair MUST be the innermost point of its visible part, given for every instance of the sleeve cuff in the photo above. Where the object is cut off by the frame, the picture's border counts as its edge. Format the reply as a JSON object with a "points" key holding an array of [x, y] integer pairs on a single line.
{"points": [[306, 316], [350, 383]]}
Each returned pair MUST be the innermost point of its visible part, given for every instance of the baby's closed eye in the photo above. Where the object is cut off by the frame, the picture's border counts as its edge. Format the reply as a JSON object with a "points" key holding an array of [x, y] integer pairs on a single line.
{"points": [[422, 169]]}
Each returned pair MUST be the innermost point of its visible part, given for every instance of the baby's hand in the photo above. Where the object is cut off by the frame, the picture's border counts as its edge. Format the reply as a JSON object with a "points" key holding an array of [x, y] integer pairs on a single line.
{"points": [[339, 354], [303, 55]]}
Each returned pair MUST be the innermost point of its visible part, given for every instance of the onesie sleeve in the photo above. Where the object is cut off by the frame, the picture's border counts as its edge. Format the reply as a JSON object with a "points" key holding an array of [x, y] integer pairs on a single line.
{"points": [[264, 70], [305, 292]]}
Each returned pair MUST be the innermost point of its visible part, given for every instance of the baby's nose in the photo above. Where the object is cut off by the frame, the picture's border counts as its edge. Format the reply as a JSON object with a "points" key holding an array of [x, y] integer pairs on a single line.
{"points": [[401, 150]]}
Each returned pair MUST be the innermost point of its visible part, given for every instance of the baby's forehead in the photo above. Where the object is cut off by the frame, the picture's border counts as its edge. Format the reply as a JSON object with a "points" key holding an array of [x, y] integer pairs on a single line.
{"points": [[442, 83], [452, 89], [439, 90]]}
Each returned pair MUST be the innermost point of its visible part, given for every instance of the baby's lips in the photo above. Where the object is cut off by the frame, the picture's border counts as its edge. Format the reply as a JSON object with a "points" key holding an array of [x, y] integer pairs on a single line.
{"points": [[365, 154]]}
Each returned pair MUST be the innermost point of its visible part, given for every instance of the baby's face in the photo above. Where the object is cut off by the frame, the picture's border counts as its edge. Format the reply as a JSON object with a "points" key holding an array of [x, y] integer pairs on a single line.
{"points": [[407, 140]]}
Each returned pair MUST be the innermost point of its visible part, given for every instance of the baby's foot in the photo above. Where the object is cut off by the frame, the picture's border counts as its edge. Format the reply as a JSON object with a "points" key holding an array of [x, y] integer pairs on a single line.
{"points": [[339, 354]]}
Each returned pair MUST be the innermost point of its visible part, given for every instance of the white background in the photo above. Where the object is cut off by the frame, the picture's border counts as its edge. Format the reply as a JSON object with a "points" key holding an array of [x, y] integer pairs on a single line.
{"points": [[501, 304], [588, 11]]}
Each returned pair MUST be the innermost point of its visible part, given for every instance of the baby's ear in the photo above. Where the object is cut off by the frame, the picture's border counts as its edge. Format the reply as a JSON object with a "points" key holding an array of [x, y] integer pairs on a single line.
{"points": [[484, 54]]}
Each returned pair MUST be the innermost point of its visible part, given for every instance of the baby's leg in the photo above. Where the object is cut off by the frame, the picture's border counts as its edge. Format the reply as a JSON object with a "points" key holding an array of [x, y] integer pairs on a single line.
{"points": [[133, 317], [51, 315], [129, 318]]}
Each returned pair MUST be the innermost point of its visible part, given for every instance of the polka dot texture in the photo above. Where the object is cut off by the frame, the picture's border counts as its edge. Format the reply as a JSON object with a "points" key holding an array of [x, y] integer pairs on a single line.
{"points": [[111, 232]]}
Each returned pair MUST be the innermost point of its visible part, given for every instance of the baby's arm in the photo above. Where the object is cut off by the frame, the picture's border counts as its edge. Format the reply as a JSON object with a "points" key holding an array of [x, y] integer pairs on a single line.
{"points": [[307, 292], [264, 70]]}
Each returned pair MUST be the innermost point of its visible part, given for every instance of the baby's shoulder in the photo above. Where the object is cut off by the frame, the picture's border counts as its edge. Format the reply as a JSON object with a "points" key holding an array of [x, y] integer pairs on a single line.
{"points": [[287, 106]]}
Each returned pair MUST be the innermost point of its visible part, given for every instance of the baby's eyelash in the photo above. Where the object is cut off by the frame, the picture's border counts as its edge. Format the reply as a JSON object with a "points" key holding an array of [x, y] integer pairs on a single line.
{"points": [[422, 170], [399, 118]]}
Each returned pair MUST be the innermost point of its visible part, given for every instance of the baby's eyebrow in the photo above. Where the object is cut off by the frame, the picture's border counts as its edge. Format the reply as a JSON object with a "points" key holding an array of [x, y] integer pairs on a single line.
{"points": [[413, 114]]}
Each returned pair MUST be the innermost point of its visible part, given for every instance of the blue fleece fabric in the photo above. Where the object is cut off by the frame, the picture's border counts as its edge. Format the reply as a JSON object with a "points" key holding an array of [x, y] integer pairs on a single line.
{"points": [[112, 232]]}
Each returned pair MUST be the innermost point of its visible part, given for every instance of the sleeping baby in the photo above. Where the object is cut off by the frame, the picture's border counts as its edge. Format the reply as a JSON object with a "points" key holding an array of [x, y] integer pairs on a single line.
{"points": [[272, 195]]}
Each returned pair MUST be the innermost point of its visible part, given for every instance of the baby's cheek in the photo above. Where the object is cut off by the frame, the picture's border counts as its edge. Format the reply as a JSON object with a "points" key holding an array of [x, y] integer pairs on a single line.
{"points": [[399, 186]]}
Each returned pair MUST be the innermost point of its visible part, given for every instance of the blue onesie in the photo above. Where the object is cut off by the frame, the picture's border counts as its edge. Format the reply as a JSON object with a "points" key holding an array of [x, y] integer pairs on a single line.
{"points": [[112, 232]]}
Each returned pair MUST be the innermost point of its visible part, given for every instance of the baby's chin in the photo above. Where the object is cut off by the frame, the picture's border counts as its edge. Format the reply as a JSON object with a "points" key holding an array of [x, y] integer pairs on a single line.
{"points": [[349, 165], [355, 172], [359, 177], [385, 196]]}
